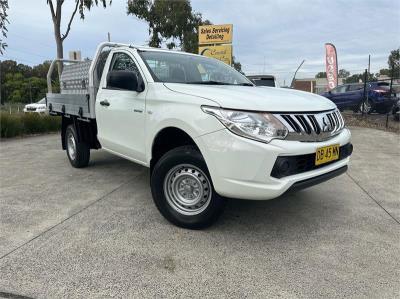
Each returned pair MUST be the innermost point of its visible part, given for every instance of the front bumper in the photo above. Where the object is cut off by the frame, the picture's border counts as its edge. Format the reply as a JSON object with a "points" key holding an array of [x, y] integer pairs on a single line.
{"points": [[241, 168], [383, 102]]}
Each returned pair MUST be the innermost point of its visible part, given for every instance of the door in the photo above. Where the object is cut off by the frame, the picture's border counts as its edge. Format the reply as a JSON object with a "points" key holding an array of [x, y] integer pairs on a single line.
{"points": [[121, 113], [355, 94], [338, 95]]}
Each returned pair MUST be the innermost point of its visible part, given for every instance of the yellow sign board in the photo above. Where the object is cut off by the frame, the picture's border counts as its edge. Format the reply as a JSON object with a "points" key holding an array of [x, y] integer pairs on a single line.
{"points": [[215, 34], [221, 52]]}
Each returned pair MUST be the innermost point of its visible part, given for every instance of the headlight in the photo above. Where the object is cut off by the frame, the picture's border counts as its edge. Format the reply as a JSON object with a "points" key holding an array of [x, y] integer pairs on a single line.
{"points": [[259, 126]]}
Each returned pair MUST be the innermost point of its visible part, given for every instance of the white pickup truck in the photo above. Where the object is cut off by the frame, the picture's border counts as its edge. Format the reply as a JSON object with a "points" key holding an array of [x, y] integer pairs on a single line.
{"points": [[204, 130]]}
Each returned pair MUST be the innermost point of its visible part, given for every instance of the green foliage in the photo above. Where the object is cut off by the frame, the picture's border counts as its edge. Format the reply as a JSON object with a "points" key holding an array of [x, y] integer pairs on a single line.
{"points": [[394, 63], [343, 73], [20, 83], [356, 78], [383, 72], [19, 124], [321, 75], [172, 22], [237, 65], [88, 4]]}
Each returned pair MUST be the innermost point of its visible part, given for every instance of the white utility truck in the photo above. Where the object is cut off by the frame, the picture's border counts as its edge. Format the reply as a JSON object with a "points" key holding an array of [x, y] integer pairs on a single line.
{"points": [[206, 132]]}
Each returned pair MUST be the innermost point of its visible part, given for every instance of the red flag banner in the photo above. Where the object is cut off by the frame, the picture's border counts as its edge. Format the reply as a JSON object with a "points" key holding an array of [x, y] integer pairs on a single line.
{"points": [[331, 66]]}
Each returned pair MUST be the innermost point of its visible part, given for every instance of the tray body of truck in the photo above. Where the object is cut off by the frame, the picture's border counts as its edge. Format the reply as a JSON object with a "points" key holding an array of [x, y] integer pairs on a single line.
{"points": [[79, 82]]}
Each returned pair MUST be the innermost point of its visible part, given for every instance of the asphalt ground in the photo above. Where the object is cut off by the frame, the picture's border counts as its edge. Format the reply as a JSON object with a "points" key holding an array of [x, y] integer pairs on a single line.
{"points": [[95, 232]]}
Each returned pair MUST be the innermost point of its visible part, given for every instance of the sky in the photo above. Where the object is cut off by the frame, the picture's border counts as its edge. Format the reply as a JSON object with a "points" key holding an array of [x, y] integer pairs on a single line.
{"points": [[270, 37]]}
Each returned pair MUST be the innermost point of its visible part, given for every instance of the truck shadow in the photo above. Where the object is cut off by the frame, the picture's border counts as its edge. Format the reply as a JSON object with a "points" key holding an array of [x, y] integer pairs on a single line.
{"points": [[305, 210], [301, 213]]}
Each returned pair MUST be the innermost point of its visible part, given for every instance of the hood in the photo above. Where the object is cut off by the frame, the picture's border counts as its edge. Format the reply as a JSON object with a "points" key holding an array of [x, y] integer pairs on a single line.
{"points": [[269, 99]]}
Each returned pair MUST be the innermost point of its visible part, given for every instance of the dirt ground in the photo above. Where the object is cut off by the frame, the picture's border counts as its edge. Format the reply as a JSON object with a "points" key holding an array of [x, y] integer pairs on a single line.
{"points": [[383, 122]]}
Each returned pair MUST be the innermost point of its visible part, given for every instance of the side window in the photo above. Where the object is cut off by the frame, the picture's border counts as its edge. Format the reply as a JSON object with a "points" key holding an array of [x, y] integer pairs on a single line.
{"points": [[355, 87], [122, 62], [335, 90], [340, 89]]}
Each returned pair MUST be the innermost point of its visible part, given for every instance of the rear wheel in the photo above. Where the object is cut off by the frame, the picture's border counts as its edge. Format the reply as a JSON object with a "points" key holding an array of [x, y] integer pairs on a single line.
{"points": [[396, 115], [182, 189], [78, 152], [365, 107]]}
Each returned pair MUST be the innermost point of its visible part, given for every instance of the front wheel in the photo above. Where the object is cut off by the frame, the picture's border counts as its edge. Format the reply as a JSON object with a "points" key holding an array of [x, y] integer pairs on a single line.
{"points": [[182, 189], [78, 152]]}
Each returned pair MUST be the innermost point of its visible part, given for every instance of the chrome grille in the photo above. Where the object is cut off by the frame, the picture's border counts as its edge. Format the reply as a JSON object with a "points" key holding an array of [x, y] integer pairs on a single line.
{"points": [[309, 127]]}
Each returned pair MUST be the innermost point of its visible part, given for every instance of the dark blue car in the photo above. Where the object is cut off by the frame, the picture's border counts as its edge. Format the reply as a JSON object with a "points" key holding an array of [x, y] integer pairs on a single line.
{"points": [[351, 96]]}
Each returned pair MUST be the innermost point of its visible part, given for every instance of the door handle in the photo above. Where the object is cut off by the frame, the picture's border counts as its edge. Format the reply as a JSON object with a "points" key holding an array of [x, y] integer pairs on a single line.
{"points": [[104, 103]]}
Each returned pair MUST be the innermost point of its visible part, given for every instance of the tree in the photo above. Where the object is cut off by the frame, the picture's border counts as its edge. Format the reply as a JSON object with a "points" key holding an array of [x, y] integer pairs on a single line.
{"points": [[356, 78], [56, 14], [237, 65], [394, 62], [172, 22], [22, 83], [3, 22], [343, 73], [383, 72], [321, 75]]}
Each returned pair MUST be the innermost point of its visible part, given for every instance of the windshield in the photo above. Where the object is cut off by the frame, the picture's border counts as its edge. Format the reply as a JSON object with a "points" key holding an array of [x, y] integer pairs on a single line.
{"points": [[384, 85], [42, 101], [190, 69]]}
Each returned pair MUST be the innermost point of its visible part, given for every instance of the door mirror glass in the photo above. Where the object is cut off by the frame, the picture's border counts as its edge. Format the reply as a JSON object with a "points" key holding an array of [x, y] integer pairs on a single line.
{"points": [[125, 80]]}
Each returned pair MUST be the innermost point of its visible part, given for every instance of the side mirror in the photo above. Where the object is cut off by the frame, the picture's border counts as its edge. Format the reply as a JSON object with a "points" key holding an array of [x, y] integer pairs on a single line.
{"points": [[125, 80], [330, 92]]}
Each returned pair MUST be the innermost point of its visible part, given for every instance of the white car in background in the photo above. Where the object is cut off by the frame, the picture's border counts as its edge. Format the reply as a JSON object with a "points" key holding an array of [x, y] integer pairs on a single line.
{"points": [[39, 107], [264, 80]]}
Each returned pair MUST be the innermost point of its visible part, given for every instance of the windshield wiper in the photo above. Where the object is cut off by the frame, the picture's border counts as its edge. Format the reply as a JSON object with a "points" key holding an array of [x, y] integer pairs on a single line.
{"points": [[245, 84], [210, 82]]}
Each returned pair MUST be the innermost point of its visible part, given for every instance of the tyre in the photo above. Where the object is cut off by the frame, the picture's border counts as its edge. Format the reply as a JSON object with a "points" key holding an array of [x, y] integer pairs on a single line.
{"points": [[396, 116], [78, 152], [183, 191], [367, 107]]}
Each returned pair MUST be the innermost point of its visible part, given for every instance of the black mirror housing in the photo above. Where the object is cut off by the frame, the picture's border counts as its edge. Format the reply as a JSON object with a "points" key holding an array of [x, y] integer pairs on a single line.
{"points": [[126, 80]]}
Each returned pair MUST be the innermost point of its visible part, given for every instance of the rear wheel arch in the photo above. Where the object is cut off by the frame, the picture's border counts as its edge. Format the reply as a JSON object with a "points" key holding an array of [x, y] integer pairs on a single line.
{"points": [[86, 131]]}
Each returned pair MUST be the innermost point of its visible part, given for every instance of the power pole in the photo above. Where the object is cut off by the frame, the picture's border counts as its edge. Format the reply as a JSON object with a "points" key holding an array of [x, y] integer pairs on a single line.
{"points": [[369, 63], [108, 36]]}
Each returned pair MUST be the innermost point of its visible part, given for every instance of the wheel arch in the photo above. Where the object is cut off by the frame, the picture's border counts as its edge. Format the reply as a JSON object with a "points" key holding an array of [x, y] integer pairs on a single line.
{"points": [[167, 139], [86, 131]]}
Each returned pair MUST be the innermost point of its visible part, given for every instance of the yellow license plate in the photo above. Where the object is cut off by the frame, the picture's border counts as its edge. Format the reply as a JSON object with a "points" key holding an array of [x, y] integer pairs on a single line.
{"points": [[327, 154]]}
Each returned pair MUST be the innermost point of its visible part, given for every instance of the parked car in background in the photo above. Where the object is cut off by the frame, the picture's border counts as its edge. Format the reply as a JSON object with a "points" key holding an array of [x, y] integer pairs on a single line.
{"points": [[39, 107], [396, 110], [264, 80], [351, 96]]}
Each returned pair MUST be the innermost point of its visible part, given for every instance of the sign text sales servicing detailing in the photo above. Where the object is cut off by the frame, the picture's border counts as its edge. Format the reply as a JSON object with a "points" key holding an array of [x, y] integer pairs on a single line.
{"points": [[215, 34]]}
